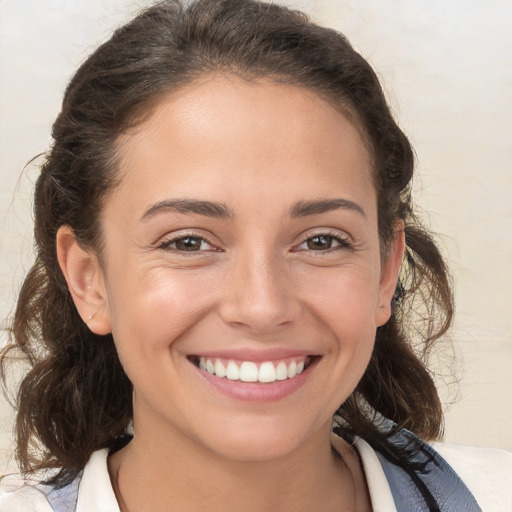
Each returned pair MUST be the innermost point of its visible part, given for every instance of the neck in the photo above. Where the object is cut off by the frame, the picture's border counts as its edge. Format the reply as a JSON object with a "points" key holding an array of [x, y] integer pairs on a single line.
{"points": [[155, 470]]}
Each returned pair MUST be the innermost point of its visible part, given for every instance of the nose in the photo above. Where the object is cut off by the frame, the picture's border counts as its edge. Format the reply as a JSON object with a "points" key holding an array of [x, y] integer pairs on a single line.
{"points": [[260, 296]]}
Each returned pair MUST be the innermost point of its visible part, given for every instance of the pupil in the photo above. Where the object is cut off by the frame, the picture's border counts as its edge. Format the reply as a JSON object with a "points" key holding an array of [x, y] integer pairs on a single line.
{"points": [[188, 244], [320, 242]]}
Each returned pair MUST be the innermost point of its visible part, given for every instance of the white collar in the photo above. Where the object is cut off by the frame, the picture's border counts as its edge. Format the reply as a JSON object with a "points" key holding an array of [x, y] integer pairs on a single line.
{"points": [[380, 492], [96, 493]]}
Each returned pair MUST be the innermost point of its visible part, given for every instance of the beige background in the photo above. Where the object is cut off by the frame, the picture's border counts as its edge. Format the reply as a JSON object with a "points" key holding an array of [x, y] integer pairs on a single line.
{"points": [[446, 67]]}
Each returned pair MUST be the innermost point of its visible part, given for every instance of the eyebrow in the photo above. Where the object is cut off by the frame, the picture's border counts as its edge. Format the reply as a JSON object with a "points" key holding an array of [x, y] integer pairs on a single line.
{"points": [[222, 211], [190, 206], [305, 208]]}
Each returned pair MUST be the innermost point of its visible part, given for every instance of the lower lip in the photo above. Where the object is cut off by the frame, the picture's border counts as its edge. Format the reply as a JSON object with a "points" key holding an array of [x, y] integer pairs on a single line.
{"points": [[256, 391]]}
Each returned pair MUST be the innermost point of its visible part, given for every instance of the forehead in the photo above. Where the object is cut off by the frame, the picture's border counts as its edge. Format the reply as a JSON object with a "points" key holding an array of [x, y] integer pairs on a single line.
{"points": [[230, 137]]}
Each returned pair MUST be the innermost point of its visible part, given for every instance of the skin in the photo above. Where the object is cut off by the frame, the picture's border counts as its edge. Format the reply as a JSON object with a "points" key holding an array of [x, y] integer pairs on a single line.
{"points": [[259, 281]]}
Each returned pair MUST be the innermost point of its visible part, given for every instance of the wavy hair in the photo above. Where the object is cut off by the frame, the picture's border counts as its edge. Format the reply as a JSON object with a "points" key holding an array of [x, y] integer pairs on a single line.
{"points": [[76, 398]]}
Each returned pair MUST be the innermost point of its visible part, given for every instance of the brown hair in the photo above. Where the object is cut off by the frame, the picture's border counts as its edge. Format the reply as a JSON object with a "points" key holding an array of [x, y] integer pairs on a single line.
{"points": [[76, 397]]}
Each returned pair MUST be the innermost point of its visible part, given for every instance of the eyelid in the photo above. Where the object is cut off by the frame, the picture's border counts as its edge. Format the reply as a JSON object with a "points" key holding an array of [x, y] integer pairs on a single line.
{"points": [[165, 242], [345, 240]]}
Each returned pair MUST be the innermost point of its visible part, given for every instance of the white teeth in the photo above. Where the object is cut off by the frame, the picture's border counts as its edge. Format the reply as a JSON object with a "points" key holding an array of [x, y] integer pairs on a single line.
{"points": [[232, 371], [292, 370], [281, 371], [220, 371], [248, 371], [267, 372]]}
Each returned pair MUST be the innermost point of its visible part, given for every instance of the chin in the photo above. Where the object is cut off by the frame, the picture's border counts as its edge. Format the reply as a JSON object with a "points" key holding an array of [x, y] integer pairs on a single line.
{"points": [[255, 439]]}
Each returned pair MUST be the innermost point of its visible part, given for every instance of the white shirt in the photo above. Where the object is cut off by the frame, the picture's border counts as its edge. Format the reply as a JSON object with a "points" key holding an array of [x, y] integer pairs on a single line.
{"points": [[487, 473]]}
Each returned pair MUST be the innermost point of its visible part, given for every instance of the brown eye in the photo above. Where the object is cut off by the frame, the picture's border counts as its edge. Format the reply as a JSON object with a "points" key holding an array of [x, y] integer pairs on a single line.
{"points": [[319, 243], [324, 243], [187, 244]]}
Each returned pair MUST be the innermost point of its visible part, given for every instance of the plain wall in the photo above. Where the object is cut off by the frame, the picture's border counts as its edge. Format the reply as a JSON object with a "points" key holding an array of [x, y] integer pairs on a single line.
{"points": [[446, 68]]}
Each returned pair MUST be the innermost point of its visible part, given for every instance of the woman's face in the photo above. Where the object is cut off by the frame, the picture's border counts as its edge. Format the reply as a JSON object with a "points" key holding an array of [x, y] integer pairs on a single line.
{"points": [[243, 238]]}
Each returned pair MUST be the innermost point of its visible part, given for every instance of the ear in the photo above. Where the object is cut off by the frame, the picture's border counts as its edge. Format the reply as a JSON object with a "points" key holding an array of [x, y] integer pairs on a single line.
{"points": [[390, 271], [85, 280]]}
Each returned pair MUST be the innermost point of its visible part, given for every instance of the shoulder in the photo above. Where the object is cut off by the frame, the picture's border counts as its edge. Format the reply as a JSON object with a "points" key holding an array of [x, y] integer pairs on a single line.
{"points": [[22, 495], [18, 494], [440, 476], [487, 472], [90, 491]]}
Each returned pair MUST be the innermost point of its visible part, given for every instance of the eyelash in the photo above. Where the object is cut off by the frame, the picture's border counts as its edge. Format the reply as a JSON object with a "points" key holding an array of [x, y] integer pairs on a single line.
{"points": [[166, 244], [343, 243]]}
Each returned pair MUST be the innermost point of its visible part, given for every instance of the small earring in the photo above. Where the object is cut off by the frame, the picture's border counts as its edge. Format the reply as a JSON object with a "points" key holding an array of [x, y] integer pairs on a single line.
{"points": [[90, 318]]}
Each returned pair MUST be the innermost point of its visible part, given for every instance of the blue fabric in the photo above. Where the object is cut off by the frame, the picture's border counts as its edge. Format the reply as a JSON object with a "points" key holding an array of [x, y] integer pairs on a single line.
{"points": [[64, 499], [447, 489]]}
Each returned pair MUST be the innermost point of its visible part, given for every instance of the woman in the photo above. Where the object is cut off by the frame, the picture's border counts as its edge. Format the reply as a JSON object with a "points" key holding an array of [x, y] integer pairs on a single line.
{"points": [[228, 258]]}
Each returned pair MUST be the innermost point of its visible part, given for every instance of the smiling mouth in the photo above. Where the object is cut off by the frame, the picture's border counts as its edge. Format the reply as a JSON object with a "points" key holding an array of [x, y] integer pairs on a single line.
{"points": [[250, 371]]}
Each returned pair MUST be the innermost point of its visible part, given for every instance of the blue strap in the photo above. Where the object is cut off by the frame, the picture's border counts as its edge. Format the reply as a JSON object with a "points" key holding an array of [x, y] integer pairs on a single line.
{"points": [[447, 489], [64, 499]]}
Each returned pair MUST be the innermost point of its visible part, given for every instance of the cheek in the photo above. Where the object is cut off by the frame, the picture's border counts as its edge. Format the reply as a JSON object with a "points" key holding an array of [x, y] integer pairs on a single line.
{"points": [[151, 312], [344, 306], [346, 299]]}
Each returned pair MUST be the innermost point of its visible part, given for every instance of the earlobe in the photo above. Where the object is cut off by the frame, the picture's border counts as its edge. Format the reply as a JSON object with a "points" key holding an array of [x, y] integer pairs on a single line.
{"points": [[85, 280], [390, 272]]}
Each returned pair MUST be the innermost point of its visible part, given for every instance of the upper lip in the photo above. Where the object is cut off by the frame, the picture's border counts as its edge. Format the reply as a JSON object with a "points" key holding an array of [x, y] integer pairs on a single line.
{"points": [[256, 355]]}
